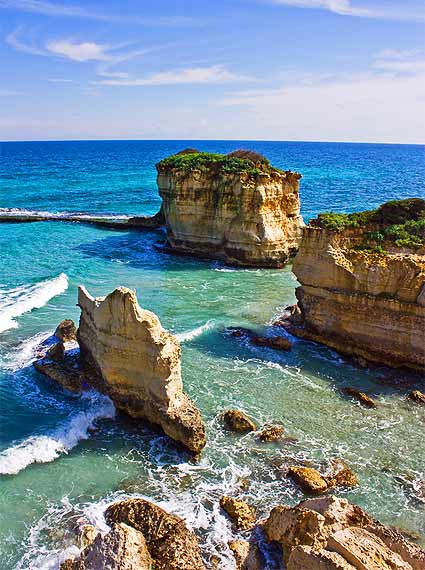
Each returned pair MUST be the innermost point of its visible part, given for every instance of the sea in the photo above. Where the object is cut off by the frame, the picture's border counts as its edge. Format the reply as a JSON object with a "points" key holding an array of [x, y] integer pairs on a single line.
{"points": [[65, 457]]}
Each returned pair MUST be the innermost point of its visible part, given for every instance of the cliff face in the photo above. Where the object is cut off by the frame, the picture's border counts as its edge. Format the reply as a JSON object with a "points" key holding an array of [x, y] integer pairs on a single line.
{"points": [[242, 218], [138, 364], [361, 302]]}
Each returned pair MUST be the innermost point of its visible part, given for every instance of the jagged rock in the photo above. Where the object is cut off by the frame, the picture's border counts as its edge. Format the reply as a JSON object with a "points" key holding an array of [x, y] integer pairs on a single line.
{"points": [[309, 479], [306, 558], [244, 216], [271, 433], [417, 397], [358, 299], [328, 533], [241, 514], [364, 550], [56, 352], [170, 544], [122, 548], [87, 535], [247, 555], [236, 420], [66, 331], [363, 398]]}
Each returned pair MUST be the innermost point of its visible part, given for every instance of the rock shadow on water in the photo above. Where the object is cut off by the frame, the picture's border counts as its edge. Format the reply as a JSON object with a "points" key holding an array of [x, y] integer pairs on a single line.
{"points": [[141, 251]]}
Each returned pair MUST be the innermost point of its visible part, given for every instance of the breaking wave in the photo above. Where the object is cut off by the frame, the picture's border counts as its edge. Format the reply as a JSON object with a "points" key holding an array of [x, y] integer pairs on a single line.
{"points": [[190, 335], [15, 302], [47, 448], [22, 212]]}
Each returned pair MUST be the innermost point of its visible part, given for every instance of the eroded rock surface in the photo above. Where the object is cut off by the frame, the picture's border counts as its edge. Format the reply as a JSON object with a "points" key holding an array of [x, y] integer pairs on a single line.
{"points": [[169, 542], [332, 534], [360, 299], [247, 555], [241, 514], [237, 421], [125, 353], [242, 212]]}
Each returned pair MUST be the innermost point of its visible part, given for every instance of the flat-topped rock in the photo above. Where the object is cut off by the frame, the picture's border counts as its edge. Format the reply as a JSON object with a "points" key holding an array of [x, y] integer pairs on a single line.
{"points": [[236, 207]]}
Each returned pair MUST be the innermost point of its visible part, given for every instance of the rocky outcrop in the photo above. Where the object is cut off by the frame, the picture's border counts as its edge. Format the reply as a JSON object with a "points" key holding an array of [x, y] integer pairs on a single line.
{"points": [[235, 420], [361, 299], [66, 331], [170, 543], [275, 342], [247, 555], [271, 433], [417, 396], [241, 514], [142, 537], [313, 482], [332, 534], [122, 548], [361, 397], [228, 208], [125, 353]]}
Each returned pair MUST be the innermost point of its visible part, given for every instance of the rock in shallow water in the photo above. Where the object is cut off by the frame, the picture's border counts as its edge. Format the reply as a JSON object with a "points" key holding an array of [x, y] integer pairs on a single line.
{"points": [[241, 514], [235, 420]]}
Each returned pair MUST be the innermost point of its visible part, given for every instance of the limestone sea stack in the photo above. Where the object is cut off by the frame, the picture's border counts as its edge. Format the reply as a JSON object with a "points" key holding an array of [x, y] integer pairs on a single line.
{"points": [[236, 208], [126, 354], [362, 281]]}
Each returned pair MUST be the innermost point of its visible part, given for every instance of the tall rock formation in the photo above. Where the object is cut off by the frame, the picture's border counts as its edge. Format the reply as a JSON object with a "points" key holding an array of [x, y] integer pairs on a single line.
{"points": [[125, 353], [363, 284], [236, 208]]}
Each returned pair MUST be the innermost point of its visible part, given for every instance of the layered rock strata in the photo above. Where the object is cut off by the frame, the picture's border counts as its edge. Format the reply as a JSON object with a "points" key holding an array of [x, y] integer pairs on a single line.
{"points": [[361, 300], [126, 354], [332, 534], [231, 209]]}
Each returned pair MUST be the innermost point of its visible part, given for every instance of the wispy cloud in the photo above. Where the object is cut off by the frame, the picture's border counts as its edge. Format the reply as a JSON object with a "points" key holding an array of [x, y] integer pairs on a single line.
{"points": [[400, 61], [47, 8], [10, 93], [15, 40], [61, 80], [193, 75], [353, 8]]}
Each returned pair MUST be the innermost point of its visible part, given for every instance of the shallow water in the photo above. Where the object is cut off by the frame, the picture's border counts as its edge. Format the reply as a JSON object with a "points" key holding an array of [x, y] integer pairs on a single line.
{"points": [[63, 457]]}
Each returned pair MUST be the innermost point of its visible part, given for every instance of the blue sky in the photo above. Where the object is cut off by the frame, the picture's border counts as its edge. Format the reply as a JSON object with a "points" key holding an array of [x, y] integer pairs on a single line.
{"points": [[341, 70]]}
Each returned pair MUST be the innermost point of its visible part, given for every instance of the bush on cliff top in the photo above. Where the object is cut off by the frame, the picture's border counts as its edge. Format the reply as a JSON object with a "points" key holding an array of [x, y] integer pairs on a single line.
{"points": [[235, 162], [402, 221]]}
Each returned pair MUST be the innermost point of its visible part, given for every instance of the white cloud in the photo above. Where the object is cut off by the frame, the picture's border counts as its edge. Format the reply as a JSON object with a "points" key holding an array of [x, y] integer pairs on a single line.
{"points": [[350, 8], [13, 39], [194, 75], [383, 104], [71, 11], [9, 93], [85, 51]]}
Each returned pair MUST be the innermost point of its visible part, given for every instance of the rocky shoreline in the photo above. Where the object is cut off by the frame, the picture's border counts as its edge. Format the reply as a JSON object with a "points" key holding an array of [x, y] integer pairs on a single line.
{"points": [[362, 293]]}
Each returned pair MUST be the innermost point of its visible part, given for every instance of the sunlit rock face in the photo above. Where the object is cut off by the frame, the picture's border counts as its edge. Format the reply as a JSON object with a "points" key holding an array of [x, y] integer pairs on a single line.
{"points": [[360, 299], [137, 364], [241, 215]]}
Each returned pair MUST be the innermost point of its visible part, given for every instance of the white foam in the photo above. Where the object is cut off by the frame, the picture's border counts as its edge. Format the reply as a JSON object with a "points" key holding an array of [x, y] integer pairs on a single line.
{"points": [[15, 302], [13, 212], [46, 448], [26, 352], [191, 334]]}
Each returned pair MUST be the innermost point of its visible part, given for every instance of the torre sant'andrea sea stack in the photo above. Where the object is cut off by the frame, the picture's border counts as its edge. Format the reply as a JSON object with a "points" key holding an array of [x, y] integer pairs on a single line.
{"points": [[236, 207]]}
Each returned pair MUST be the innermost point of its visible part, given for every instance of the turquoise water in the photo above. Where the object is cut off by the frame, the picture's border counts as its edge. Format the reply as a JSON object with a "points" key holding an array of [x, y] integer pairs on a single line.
{"points": [[63, 457]]}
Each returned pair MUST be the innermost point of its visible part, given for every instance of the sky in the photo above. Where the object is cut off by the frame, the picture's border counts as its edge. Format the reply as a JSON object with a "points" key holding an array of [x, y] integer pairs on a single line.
{"points": [[309, 70]]}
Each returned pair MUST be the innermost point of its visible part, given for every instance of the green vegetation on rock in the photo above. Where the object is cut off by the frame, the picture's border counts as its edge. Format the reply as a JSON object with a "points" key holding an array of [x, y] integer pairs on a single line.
{"points": [[400, 222], [240, 161]]}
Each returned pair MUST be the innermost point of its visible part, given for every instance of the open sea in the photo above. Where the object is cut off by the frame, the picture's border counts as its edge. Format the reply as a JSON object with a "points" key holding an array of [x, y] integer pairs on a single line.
{"points": [[64, 457]]}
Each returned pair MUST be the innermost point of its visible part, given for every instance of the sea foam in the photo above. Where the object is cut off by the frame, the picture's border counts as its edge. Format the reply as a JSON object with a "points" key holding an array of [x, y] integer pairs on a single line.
{"points": [[191, 334], [47, 448], [15, 302]]}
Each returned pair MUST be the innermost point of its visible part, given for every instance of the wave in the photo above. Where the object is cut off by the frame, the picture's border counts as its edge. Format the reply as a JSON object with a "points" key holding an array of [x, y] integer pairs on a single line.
{"points": [[47, 448], [26, 352], [190, 335], [15, 302], [23, 212]]}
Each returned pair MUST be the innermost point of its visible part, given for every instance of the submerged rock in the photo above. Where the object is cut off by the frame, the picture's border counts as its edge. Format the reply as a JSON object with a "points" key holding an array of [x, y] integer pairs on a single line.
{"points": [[362, 281], [169, 542], [275, 342], [363, 398], [235, 208], [126, 354], [332, 534], [235, 420], [271, 433], [241, 514]]}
